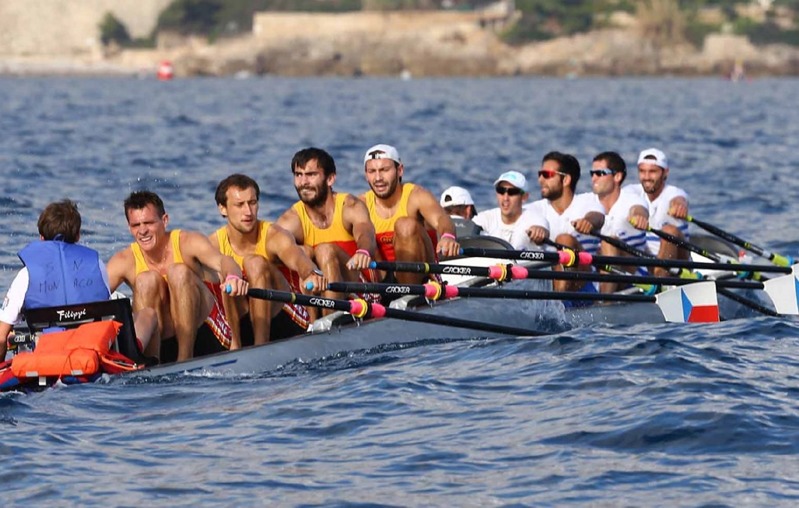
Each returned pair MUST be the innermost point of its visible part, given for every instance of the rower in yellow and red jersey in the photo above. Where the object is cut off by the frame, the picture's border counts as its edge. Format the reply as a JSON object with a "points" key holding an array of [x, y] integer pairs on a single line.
{"points": [[408, 219], [269, 259], [334, 227]]}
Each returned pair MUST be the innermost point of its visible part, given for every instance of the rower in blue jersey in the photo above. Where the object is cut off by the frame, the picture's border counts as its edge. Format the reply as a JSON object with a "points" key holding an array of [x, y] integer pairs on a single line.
{"points": [[626, 213], [58, 271], [668, 205]]}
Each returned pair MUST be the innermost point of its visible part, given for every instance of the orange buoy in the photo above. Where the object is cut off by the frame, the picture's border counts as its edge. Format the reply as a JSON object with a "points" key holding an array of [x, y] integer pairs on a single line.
{"points": [[165, 71]]}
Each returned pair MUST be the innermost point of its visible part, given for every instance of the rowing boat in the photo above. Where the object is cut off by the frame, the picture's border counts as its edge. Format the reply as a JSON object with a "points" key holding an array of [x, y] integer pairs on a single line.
{"points": [[340, 332]]}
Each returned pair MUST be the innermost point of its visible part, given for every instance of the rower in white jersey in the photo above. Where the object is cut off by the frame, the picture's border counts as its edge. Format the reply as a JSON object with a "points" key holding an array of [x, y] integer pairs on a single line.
{"points": [[626, 214], [566, 213], [668, 205]]}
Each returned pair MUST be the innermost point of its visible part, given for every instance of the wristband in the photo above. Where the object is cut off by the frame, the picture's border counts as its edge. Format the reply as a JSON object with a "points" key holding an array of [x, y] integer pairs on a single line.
{"points": [[449, 235], [364, 252], [232, 277]]}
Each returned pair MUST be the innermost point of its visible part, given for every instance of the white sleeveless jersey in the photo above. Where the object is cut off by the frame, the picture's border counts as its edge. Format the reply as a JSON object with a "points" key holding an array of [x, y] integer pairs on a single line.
{"points": [[617, 222], [659, 212], [516, 233], [562, 223]]}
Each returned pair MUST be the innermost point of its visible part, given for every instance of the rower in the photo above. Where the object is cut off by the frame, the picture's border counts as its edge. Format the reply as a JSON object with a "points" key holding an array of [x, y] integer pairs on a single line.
{"points": [[458, 203], [570, 216], [668, 205], [167, 271], [333, 226], [626, 213], [258, 247], [56, 258], [410, 224], [509, 221]]}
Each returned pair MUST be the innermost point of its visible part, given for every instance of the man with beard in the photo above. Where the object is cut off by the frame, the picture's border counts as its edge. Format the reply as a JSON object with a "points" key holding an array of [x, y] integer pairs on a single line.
{"points": [[257, 247], [166, 270], [568, 214], [334, 226], [668, 205], [409, 222]]}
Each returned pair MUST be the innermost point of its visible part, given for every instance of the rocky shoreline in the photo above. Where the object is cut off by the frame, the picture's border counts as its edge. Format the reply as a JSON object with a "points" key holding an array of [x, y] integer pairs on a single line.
{"points": [[461, 50]]}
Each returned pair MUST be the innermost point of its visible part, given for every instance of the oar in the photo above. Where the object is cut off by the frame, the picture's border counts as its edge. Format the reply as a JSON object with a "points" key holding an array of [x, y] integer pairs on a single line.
{"points": [[585, 258], [784, 292], [694, 248], [740, 242], [362, 309], [694, 303], [679, 242]]}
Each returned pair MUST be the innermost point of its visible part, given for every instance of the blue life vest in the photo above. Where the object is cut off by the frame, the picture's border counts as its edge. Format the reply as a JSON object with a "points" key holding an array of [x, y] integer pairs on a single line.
{"points": [[62, 274]]}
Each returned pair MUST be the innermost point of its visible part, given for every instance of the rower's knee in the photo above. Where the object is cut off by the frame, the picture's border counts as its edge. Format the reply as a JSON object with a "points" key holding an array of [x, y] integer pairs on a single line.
{"points": [[148, 284], [672, 230], [568, 241], [325, 253], [257, 269], [406, 227], [180, 275]]}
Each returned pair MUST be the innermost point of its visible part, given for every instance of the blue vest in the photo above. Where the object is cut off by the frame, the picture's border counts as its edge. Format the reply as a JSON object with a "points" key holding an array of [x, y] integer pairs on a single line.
{"points": [[62, 274]]}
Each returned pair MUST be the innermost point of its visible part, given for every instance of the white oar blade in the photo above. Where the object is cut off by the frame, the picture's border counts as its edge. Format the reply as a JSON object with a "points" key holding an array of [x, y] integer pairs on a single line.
{"points": [[692, 303], [784, 292]]}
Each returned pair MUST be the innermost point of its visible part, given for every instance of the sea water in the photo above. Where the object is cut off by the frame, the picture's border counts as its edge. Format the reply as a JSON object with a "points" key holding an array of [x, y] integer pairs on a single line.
{"points": [[601, 415]]}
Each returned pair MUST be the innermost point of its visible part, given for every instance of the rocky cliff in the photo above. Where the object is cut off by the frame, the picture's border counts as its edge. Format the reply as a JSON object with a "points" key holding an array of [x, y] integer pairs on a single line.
{"points": [[410, 43]]}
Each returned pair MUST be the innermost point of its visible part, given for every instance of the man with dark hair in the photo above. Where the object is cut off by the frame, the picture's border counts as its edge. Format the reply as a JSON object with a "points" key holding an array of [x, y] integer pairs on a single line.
{"points": [[566, 212], [624, 211], [166, 271], [668, 205], [258, 247], [410, 224], [334, 226], [59, 272]]}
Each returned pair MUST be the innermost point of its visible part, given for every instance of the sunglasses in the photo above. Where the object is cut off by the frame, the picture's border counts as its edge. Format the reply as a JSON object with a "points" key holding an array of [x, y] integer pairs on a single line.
{"points": [[548, 173], [601, 172], [510, 191]]}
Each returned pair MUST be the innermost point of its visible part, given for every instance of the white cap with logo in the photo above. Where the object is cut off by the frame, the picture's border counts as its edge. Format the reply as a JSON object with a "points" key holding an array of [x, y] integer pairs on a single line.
{"points": [[653, 156], [514, 178], [382, 152]]}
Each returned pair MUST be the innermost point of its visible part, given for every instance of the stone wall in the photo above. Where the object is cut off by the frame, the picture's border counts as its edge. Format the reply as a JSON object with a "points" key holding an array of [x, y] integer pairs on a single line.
{"points": [[69, 27], [287, 25]]}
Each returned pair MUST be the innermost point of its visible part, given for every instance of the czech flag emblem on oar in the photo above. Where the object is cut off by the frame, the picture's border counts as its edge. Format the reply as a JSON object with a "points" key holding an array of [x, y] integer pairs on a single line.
{"points": [[692, 303]]}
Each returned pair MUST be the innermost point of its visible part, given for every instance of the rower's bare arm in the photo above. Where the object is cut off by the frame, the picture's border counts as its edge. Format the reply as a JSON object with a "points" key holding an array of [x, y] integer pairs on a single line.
{"points": [[537, 234], [356, 220], [678, 207], [433, 214], [290, 221], [121, 268], [639, 217], [280, 245], [596, 219], [197, 246]]}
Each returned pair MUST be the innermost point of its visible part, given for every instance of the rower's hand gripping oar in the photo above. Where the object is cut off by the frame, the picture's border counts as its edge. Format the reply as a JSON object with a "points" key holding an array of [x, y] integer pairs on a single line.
{"points": [[775, 258], [363, 309], [694, 303]]}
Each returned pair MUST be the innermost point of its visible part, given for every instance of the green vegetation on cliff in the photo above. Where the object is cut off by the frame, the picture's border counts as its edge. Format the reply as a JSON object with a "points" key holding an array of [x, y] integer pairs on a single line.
{"points": [[664, 21]]}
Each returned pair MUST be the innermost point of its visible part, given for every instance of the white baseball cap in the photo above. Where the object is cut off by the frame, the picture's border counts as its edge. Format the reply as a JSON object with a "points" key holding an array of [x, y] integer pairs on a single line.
{"points": [[654, 156], [382, 152], [454, 196], [514, 178]]}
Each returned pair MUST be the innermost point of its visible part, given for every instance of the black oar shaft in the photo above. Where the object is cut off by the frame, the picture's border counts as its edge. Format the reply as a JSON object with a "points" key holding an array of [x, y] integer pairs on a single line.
{"points": [[740, 242], [679, 242], [405, 315], [420, 289]]}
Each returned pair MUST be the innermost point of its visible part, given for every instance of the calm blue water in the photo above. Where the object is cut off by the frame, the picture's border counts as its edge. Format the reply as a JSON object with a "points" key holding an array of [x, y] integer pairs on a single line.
{"points": [[643, 415]]}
